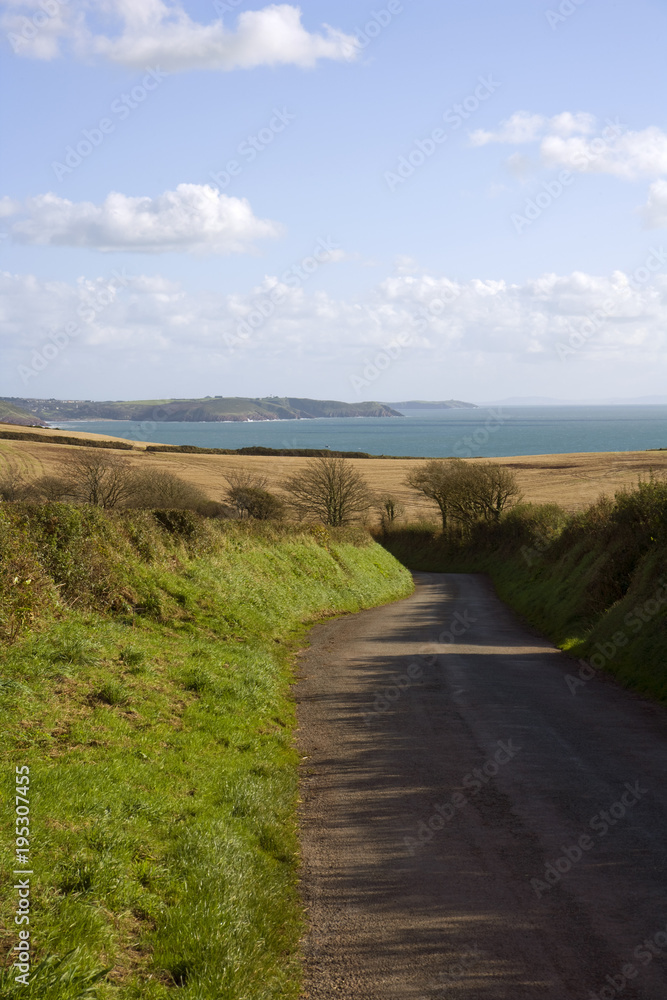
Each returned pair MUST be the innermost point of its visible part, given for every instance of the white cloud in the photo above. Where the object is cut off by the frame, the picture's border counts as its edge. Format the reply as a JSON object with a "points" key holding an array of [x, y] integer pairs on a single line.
{"points": [[8, 206], [36, 29], [520, 127], [192, 219], [405, 264], [445, 319], [627, 155], [565, 141], [523, 127], [655, 210], [154, 32], [568, 123]]}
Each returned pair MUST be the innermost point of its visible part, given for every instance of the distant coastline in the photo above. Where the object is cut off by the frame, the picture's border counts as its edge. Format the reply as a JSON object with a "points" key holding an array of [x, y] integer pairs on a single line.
{"points": [[485, 432], [209, 409]]}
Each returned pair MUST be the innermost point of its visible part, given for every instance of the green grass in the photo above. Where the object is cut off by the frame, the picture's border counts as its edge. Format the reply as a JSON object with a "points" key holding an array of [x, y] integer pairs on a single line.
{"points": [[147, 686]]}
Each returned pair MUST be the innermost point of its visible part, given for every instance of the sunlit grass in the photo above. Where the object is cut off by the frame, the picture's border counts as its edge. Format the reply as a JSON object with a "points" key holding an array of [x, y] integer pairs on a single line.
{"points": [[163, 774]]}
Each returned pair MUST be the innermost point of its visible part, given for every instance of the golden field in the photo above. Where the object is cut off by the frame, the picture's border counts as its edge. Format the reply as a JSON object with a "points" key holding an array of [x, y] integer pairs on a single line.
{"points": [[573, 481]]}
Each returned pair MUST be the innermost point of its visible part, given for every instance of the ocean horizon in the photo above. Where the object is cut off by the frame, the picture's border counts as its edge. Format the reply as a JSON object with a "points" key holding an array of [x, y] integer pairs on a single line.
{"points": [[488, 431]]}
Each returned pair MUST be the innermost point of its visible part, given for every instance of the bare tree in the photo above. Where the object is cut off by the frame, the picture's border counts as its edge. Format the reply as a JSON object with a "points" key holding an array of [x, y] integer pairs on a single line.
{"points": [[329, 489], [97, 478]]}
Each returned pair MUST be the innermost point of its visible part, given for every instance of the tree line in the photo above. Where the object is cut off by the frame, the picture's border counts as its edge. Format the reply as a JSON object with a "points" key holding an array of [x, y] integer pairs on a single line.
{"points": [[328, 489]]}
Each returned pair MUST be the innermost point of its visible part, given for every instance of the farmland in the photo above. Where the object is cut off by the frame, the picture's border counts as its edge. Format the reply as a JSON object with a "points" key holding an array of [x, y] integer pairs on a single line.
{"points": [[573, 480]]}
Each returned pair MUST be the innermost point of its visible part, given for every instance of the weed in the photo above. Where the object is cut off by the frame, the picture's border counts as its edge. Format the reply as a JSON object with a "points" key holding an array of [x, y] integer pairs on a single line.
{"points": [[112, 693], [132, 657]]}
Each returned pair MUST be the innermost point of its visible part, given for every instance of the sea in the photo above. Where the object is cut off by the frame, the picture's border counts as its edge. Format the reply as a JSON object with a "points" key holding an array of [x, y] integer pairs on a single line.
{"points": [[489, 432]]}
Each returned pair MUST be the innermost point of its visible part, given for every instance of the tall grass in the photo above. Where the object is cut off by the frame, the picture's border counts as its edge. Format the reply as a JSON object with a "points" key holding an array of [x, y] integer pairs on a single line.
{"points": [[144, 678]]}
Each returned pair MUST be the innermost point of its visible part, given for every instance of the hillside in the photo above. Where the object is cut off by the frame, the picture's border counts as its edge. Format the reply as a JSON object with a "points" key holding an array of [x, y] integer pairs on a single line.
{"points": [[445, 404], [10, 413], [209, 409]]}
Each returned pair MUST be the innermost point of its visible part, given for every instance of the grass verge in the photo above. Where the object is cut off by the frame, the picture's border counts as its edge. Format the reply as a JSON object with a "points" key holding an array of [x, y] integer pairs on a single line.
{"points": [[594, 582], [145, 681]]}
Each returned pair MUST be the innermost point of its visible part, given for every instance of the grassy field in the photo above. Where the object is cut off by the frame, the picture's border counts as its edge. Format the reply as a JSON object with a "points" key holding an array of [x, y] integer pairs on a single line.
{"points": [[573, 481], [145, 681]]}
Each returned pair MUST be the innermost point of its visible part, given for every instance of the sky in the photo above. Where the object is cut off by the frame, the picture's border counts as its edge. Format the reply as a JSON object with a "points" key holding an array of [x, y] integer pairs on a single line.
{"points": [[412, 199]]}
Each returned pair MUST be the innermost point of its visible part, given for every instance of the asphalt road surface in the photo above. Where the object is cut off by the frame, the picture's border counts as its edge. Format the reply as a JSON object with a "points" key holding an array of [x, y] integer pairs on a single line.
{"points": [[471, 826]]}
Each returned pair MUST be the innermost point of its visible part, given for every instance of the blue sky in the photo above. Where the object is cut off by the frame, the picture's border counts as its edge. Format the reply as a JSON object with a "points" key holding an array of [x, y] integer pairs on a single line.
{"points": [[485, 186]]}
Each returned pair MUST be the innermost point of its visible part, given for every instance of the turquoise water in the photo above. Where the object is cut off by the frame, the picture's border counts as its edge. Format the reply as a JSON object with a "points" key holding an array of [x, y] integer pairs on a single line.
{"points": [[488, 432]]}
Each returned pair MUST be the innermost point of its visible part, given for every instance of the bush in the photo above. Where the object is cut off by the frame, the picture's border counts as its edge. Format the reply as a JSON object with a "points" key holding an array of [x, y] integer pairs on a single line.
{"points": [[13, 486], [259, 504], [104, 480], [25, 591], [150, 488], [248, 495]]}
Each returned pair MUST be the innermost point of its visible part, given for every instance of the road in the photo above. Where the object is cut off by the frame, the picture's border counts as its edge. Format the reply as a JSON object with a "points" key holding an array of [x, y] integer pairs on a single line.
{"points": [[471, 826]]}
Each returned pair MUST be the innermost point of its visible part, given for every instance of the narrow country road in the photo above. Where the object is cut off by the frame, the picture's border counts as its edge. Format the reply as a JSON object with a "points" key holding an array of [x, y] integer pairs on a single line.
{"points": [[471, 828]]}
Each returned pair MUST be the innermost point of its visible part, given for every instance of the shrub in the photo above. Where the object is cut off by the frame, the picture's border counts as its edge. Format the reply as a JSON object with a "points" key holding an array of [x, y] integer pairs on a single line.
{"points": [[13, 486], [150, 488]]}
